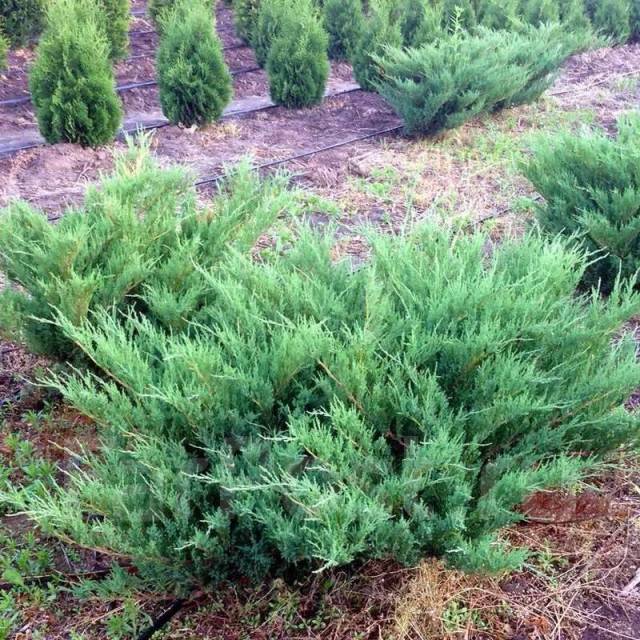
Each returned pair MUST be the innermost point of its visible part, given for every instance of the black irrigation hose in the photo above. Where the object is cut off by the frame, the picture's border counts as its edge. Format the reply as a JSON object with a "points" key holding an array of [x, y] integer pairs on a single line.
{"points": [[212, 179], [162, 620], [161, 125], [6, 350], [153, 83], [141, 32], [14, 102], [305, 154]]}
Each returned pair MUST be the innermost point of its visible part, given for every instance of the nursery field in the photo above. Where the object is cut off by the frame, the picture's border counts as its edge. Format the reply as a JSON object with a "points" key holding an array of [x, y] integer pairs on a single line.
{"points": [[337, 371]]}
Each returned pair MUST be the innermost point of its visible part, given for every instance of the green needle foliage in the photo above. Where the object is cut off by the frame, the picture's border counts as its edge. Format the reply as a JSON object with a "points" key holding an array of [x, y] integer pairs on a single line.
{"points": [[193, 80], [430, 28], [344, 22], [71, 81], [573, 14], [306, 414], [116, 25], [139, 229], [246, 17], [444, 84], [298, 65], [499, 14], [272, 15], [411, 16], [158, 9], [459, 15], [591, 187], [382, 30], [537, 12], [4, 47], [613, 18], [21, 20]]}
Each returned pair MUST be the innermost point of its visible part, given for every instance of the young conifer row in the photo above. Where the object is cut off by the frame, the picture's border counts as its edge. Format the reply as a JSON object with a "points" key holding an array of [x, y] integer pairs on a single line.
{"points": [[194, 82], [290, 41], [392, 45], [72, 81], [21, 20]]}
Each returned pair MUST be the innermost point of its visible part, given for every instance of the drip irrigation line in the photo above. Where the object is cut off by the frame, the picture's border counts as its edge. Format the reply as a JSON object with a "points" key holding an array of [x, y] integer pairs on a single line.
{"points": [[240, 72], [140, 56], [133, 130], [14, 102], [215, 178], [152, 83], [6, 350], [305, 154], [141, 32], [234, 47], [212, 179], [162, 619]]}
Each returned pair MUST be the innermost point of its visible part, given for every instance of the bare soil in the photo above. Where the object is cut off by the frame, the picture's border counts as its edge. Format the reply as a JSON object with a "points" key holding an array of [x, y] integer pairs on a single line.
{"points": [[605, 81]]}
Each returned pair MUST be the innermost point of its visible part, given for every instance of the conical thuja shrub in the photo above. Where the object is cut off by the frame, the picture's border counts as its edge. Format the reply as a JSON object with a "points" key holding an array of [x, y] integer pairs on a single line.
{"points": [[193, 79], [271, 17], [344, 22], [159, 10], [72, 84], [116, 15], [381, 31], [246, 17], [298, 65]]}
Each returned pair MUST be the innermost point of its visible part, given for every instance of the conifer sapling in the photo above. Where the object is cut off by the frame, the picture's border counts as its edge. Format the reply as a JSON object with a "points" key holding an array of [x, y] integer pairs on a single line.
{"points": [[613, 19], [591, 188], [344, 22], [158, 8], [246, 18], [272, 15], [71, 81], [116, 15], [21, 20], [381, 31], [193, 80], [298, 65]]}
